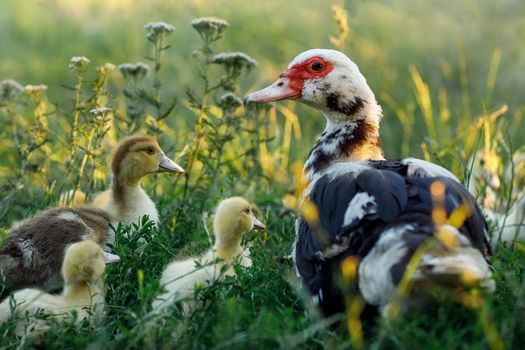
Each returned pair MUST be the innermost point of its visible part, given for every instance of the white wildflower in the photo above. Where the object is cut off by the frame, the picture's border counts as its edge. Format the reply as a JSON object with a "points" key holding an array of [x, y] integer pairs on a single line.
{"points": [[100, 113], [230, 101], [134, 70], [234, 59], [209, 22], [157, 29], [102, 110], [78, 63], [210, 28], [10, 88]]}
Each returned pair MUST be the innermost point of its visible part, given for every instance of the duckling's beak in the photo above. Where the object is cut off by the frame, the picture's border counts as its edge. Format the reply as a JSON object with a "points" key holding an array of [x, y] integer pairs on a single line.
{"points": [[493, 180], [257, 224], [167, 165], [111, 258]]}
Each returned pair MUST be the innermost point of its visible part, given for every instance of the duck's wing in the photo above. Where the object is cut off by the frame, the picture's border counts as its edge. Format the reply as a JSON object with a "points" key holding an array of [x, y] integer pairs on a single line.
{"points": [[356, 209]]}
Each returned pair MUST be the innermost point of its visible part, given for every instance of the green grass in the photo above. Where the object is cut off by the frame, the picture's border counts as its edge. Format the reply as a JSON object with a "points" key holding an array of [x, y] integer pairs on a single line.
{"points": [[436, 67]]}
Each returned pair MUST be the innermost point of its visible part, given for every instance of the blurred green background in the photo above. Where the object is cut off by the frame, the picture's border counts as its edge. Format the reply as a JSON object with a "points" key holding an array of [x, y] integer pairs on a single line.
{"points": [[453, 45]]}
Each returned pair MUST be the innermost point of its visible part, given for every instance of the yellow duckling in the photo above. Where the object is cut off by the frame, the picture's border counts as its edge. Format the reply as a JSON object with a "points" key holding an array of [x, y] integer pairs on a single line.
{"points": [[126, 201], [486, 167], [233, 218], [515, 172], [484, 180], [83, 292], [487, 175]]}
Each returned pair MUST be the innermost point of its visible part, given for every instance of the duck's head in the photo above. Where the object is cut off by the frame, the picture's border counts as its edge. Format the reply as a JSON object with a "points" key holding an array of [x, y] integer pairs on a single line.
{"points": [[85, 262], [233, 218], [486, 166], [327, 80], [138, 156]]}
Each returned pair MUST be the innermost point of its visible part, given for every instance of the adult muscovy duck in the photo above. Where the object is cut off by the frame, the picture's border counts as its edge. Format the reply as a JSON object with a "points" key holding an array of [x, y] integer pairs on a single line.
{"points": [[378, 211]]}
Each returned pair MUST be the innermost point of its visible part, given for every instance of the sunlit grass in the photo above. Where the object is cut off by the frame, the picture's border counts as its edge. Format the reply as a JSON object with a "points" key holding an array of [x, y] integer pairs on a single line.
{"points": [[447, 77]]}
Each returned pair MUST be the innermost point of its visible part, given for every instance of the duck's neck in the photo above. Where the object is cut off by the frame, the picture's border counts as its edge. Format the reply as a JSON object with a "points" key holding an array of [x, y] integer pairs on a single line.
{"points": [[350, 140], [131, 199], [82, 291], [121, 187], [227, 249]]}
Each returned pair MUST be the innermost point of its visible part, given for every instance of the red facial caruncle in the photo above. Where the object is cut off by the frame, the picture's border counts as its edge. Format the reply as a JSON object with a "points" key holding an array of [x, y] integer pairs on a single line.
{"points": [[290, 84], [312, 68]]}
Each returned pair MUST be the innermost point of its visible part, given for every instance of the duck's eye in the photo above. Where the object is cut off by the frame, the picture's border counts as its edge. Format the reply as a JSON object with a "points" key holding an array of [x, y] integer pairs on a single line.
{"points": [[247, 210], [150, 150], [482, 162], [317, 66]]}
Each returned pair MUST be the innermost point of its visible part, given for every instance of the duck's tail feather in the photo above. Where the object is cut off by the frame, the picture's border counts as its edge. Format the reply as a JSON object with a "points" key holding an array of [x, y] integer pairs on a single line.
{"points": [[453, 262], [463, 268], [411, 268]]}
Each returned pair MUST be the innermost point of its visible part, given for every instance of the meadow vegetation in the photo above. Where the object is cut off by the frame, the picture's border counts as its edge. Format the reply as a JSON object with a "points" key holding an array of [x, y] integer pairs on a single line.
{"points": [[446, 73]]}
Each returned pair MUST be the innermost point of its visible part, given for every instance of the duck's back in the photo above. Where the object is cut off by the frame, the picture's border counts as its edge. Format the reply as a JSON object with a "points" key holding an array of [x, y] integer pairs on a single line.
{"points": [[379, 212], [180, 277], [28, 302]]}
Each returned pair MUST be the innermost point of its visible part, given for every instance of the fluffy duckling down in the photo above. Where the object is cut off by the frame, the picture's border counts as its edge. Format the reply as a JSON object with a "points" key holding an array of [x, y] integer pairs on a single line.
{"points": [[233, 218], [135, 157], [32, 253], [484, 181], [488, 174], [83, 293]]}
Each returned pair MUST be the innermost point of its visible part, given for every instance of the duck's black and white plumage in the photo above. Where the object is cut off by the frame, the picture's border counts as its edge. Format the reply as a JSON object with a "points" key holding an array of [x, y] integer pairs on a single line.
{"points": [[377, 210]]}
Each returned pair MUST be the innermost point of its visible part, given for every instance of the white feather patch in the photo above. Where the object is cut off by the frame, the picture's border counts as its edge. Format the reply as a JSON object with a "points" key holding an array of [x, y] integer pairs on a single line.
{"points": [[69, 216], [375, 280], [342, 168], [335, 170], [29, 255], [356, 207], [422, 168]]}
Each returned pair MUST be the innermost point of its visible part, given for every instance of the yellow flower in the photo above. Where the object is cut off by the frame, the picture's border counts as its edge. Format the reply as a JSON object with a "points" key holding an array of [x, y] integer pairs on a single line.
{"points": [[349, 267]]}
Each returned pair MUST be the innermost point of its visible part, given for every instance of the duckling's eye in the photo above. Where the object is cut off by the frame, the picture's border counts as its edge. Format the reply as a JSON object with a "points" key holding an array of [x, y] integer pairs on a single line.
{"points": [[482, 162], [247, 210], [317, 66], [150, 150]]}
